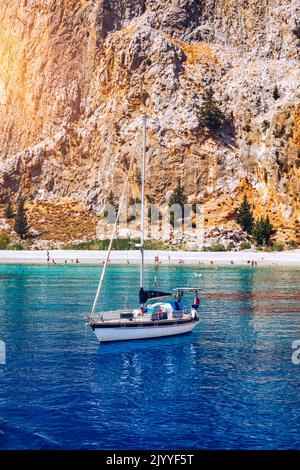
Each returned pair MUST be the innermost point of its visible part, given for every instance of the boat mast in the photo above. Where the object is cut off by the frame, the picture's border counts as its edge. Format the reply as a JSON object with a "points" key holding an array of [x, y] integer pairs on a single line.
{"points": [[143, 201]]}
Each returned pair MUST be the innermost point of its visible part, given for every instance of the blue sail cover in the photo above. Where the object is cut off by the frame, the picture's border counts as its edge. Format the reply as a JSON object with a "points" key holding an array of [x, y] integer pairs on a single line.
{"points": [[151, 294]]}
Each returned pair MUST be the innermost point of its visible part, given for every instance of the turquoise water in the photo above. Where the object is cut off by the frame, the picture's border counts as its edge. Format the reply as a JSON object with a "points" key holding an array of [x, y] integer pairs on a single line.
{"points": [[230, 384]]}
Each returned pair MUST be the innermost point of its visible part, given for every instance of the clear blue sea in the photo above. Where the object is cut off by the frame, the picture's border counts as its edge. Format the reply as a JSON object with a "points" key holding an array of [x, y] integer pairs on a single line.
{"points": [[230, 384]]}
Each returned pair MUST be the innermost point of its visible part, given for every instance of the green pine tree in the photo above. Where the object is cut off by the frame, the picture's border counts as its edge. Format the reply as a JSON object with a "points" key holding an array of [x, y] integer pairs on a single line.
{"points": [[244, 216], [8, 211], [209, 114], [263, 231], [21, 222], [178, 197]]}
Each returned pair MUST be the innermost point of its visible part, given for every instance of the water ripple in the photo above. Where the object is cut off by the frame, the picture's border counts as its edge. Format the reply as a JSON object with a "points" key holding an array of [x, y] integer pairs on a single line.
{"points": [[230, 384]]}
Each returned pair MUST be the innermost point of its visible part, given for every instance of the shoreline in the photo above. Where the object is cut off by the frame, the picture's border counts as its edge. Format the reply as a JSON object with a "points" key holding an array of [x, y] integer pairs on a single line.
{"points": [[86, 257]]}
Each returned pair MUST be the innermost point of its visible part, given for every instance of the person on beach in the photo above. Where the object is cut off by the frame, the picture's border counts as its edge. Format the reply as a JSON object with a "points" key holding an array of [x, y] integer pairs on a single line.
{"points": [[77, 261], [48, 256]]}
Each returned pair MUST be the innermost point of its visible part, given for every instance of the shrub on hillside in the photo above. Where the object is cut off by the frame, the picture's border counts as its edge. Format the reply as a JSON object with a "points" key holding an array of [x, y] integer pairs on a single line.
{"points": [[4, 242], [263, 231]]}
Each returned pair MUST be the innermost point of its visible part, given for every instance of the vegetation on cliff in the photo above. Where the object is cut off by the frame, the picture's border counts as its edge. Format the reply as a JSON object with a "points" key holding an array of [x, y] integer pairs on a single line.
{"points": [[8, 211], [261, 230], [210, 115], [244, 216], [21, 222]]}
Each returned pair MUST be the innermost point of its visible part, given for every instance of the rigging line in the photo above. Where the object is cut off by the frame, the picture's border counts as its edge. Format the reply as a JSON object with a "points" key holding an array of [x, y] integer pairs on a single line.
{"points": [[113, 233]]}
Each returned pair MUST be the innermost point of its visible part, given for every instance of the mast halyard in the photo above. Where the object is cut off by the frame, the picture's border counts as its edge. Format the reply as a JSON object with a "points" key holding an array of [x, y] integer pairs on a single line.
{"points": [[143, 201]]}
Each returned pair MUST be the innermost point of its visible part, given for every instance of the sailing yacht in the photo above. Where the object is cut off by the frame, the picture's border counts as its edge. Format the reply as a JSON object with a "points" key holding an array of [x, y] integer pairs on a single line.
{"points": [[167, 316]]}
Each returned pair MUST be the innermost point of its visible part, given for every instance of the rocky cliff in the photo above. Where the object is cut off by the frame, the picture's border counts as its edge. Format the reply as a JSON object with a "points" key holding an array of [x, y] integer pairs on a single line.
{"points": [[75, 76]]}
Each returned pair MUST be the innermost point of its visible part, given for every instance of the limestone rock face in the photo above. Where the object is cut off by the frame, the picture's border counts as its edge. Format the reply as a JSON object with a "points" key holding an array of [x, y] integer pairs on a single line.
{"points": [[76, 75]]}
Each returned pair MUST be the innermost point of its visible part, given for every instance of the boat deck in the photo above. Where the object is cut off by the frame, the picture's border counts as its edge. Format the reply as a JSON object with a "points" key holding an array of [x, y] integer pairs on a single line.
{"points": [[142, 321]]}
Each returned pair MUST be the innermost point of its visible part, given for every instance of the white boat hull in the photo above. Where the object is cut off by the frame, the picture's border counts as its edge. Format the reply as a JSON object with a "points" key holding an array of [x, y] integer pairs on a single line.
{"points": [[142, 332]]}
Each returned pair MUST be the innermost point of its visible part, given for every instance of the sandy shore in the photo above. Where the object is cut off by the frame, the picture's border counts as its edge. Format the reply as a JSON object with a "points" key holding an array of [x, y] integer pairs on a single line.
{"points": [[287, 258]]}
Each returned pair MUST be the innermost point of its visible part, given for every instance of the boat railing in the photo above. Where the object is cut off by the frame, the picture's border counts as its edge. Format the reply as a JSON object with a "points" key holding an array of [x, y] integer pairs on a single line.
{"points": [[115, 316], [110, 315]]}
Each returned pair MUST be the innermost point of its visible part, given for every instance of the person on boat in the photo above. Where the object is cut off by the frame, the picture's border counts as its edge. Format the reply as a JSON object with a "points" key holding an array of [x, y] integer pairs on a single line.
{"points": [[177, 300], [196, 301], [178, 296]]}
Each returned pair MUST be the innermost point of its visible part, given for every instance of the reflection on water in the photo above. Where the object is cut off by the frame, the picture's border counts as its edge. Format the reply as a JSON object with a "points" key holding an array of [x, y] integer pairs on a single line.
{"points": [[255, 295], [125, 347]]}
